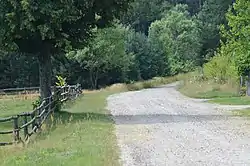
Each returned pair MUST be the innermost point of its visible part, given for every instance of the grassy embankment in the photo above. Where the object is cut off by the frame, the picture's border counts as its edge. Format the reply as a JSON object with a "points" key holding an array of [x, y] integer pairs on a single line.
{"points": [[225, 94], [82, 134]]}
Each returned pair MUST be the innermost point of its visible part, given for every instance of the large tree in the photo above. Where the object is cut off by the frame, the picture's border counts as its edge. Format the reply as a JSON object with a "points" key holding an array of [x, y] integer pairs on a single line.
{"points": [[177, 34], [237, 34], [211, 16], [45, 27], [142, 13], [106, 52]]}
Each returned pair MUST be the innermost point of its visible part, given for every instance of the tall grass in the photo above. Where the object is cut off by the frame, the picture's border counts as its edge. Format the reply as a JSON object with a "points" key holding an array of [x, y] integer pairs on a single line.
{"points": [[197, 85], [157, 81]]}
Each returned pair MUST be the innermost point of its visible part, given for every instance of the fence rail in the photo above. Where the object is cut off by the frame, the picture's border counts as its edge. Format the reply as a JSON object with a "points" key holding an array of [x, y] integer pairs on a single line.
{"points": [[37, 117], [25, 90]]}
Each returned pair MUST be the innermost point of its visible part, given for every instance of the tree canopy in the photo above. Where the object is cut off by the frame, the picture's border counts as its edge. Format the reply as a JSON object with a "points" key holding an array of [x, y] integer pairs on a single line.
{"points": [[49, 27], [179, 37], [31, 25]]}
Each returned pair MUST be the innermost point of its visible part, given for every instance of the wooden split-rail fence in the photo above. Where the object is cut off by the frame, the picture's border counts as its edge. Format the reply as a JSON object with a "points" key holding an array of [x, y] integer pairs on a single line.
{"points": [[31, 122]]}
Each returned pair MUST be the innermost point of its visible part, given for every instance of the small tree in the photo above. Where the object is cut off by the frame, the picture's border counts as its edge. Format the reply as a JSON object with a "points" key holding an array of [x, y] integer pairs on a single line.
{"points": [[104, 53], [237, 35], [211, 16], [45, 28], [178, 35]]}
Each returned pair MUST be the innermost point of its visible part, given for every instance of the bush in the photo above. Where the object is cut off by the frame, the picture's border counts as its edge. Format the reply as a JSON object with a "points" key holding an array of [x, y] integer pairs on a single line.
{"points": [[37, 103], [149, 84], [220, 69], [243, 91], [156, 81], [134, 86]]}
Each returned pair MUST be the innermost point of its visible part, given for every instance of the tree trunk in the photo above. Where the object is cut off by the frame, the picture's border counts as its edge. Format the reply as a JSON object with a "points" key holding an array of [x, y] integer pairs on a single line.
{"points": [[248, 84], [93, 75], [45, 73], [96, 80]]}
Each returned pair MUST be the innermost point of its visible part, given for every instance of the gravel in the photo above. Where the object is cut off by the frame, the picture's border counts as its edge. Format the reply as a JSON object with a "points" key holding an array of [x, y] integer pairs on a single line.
{"points": [[161, 127]]}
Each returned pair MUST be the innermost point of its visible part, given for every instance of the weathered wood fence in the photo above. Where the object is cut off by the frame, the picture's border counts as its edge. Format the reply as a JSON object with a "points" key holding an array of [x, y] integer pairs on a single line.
{"points": [[16, 91], [35, 119]]}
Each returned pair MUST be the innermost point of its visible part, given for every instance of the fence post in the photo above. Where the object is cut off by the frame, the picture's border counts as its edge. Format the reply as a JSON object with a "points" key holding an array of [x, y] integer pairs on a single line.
{"points": [[56, 98], [26, 132], [16, 129], [40, 116], [47, 104], [64, 91], [32, 115]]}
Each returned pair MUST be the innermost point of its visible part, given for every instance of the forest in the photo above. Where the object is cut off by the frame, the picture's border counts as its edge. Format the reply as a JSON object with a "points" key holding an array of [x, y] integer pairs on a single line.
{"points": [[149, 38]]}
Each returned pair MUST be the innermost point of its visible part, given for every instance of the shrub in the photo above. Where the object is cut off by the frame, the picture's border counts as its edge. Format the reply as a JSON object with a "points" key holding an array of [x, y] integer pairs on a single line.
{"points": [[37, 103], [149, 84], [134, 86], [220, 69]]}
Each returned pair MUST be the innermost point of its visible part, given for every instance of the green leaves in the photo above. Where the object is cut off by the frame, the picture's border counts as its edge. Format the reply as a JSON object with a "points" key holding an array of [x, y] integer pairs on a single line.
{"points": [[211, 16], [142, 13], [32, 23], [61, 81], [105, 53], [178, 35], [237, 35]]}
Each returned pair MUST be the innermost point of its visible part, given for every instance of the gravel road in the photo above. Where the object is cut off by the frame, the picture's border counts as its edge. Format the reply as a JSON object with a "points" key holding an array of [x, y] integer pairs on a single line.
{"points": [[161, 127]]}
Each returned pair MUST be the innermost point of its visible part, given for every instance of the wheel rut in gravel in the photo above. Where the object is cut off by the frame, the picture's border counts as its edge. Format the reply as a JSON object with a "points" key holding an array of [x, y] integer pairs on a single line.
{"points": [[161, 127]]}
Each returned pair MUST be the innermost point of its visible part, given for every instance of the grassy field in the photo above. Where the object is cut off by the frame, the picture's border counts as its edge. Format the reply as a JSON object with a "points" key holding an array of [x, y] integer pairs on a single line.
{"points": [[207, 90], [10, 107], [82, 134]]}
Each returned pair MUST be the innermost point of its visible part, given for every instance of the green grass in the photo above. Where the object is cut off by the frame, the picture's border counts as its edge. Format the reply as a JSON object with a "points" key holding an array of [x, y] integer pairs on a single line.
{"points": [[232, 101], [82, 134], [9, 107], [244, 112], [208, 90], [215, 94], [227, 94]]}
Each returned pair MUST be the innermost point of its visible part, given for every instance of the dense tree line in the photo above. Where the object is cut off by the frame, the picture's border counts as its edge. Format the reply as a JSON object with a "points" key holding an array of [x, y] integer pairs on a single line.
{"points": [[232, 60], [149, 38]]}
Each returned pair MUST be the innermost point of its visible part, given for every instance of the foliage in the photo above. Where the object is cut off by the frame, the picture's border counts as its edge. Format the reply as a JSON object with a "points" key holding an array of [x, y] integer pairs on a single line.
{"points": [[37, 103], [18, 70], [142, 13], [221, 68], [178, 34], [32, 25], [160, 59], [237, 35], [45, 28], [148, 63], [104, 54], [211, 16], [61, 81], [164, 38]]}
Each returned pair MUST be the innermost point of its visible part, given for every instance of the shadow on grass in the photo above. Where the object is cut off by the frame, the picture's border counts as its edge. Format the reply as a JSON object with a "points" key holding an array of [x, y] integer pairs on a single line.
{"points": [[67, 117], [64, 118]]}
